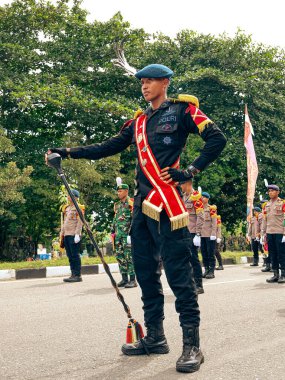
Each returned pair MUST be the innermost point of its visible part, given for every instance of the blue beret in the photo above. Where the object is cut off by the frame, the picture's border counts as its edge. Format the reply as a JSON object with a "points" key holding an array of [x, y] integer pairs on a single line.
{"points": [[206, 195], [154, 71], [75, 193], [273, 187], [258, 209]]}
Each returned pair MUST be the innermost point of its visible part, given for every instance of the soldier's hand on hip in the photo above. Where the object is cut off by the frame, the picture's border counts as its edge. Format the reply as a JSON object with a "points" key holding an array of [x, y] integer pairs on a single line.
{"points": [[76, 239], [212, 237], [176, 175]]}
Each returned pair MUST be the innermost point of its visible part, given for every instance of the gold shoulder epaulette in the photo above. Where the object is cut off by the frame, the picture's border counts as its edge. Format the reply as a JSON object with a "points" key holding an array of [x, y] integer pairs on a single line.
{"points": [[138, 113], [81, 206], [131, 202], [184, 98], [213, 207], [63, 208], [264, 204]]}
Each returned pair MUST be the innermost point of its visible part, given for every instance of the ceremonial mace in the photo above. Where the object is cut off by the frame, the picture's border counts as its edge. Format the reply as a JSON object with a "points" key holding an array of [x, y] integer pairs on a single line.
{"points": [[134, 329]]}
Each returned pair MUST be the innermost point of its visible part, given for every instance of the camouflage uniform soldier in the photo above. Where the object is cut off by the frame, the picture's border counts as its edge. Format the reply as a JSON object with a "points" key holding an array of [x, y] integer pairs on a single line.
{"points": [[274, 230], [121, 228]]}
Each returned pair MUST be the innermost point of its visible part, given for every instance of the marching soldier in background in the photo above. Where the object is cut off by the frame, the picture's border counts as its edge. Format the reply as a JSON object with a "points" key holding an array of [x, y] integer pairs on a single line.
{"points": [[208, 236], [254, 233], [194, 205], [273, 228], [121, 229], [70, 235], [218, 243]]}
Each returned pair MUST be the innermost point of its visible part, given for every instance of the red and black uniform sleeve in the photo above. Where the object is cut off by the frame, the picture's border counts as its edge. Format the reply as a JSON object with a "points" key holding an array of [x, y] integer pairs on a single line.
{"points": [[195, 121]]}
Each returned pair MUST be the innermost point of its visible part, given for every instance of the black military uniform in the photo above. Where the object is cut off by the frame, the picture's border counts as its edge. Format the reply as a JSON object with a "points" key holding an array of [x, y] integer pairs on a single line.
{"points": [[167, 130]]}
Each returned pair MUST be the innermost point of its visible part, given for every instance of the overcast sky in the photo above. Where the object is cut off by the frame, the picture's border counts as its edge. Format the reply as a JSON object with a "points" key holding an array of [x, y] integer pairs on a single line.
{"points": [[264, 20]]}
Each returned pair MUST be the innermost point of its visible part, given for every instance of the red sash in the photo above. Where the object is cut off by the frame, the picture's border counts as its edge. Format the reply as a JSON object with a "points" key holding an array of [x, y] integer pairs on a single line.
{"points": [[163, 195]]}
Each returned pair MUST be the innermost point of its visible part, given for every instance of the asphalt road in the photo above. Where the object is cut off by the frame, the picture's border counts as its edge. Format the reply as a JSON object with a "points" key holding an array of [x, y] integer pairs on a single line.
{"points": [[53, 330]]}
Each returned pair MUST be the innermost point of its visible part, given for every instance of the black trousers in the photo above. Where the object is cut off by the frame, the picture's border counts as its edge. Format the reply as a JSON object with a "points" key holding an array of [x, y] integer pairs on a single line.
{"points": [[194, 260], [255, 248], [150, 240], [218, 253], [208, 252], [277, 250], [72, 251]]}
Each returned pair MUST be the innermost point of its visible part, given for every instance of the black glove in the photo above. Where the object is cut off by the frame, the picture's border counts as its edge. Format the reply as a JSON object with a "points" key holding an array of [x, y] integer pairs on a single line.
{"points": [[61, 151], [180, 175]]}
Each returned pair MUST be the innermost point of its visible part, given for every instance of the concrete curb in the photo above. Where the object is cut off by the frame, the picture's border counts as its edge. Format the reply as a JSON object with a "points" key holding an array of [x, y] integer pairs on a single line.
{"points": [[48, 272], [60, 271]]}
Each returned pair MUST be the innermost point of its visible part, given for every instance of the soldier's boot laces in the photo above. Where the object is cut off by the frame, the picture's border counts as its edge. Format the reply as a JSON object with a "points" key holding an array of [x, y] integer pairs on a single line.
{"points": [[192, 356], [274, 278], [153, 343], [282, 277], [132, 283], [124, 281]]}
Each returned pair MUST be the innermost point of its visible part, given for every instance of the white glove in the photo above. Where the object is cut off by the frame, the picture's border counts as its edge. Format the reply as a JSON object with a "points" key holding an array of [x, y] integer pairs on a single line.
{"points": [[219, 240], [262, 240], [129, 241], [283, 239], [197, 241], [257, 239], [76, 239], [212, 237]]}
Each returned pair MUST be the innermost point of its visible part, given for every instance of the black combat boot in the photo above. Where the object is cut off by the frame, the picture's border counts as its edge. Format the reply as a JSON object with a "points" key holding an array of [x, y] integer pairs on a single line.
{"points": [[192, 356], [153, 343], [199, 286], [73, 279], [281, 279], [266, 268], [132, 283], [254, 264], [210, 274], [205, 272], [123, 282], [274, 278]]}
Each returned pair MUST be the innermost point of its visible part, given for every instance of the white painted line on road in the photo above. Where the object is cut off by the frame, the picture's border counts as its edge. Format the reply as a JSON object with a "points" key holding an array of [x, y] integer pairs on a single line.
{"points": [[228, 282], [218, 283]]}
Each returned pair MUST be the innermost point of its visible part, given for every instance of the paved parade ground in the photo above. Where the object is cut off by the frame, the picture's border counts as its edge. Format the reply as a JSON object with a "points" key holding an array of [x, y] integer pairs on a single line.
{"points": [[53, 330]]}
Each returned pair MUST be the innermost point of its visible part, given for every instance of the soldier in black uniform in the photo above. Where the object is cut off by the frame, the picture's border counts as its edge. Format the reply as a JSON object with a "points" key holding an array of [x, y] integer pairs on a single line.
{"points": [[168, 122]]}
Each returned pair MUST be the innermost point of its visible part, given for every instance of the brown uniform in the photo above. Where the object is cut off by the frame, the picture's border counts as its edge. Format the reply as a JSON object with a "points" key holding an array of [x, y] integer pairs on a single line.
{"points": [[210, 221], [72, 224], [195, 210], [255, 225], [273, 228], [254, 231], [273, 217], [207, 245]]}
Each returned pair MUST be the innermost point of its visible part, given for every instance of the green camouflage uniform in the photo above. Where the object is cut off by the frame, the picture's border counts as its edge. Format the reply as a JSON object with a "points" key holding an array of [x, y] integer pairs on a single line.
{"points": [[121, 227]]}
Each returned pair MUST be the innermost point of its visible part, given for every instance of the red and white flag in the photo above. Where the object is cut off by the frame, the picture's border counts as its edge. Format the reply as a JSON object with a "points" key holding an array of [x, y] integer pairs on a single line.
{"points": [[252, 168]]}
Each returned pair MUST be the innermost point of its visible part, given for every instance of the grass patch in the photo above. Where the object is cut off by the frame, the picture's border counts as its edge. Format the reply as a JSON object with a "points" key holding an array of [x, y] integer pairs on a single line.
{"points": [[54, 263]]}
